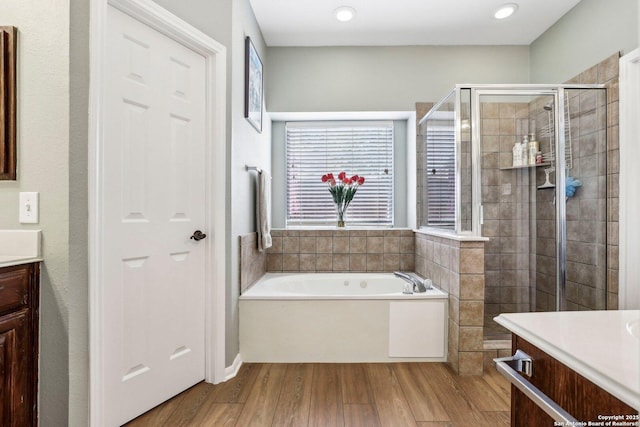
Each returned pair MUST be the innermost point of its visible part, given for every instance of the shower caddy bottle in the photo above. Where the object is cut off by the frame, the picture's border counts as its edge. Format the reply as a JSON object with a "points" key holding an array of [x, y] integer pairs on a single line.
{"points": [[524, 160], [517, 154], [533, 149]]}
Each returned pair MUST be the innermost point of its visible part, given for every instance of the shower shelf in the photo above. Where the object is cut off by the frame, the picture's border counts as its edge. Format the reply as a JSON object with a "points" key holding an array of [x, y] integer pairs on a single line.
{"points": [[525, 166]]}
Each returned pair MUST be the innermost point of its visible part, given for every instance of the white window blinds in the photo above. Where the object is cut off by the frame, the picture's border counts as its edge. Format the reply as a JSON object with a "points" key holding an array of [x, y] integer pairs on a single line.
{"points": [[357, 148], [440, 173]]}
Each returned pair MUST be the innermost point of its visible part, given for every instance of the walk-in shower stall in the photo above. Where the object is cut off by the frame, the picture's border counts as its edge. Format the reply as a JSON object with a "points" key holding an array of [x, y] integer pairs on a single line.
{"points": [[526, 167]]}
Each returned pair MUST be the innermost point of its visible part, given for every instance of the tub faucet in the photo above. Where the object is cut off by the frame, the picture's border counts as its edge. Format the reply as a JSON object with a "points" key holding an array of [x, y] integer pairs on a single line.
{"points": [[418, 284]]}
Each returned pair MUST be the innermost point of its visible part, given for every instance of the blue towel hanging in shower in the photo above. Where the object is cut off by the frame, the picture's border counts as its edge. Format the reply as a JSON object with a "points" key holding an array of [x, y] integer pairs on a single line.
{"points": [[570, 186]]}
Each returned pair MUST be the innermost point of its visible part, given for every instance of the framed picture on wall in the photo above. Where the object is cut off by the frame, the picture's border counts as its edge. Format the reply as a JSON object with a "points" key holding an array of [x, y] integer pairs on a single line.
{"points": [[253, 85]]}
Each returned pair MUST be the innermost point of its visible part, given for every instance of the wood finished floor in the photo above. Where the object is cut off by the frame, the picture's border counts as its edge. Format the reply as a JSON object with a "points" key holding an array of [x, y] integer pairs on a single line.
{"points": [[323, 395]]}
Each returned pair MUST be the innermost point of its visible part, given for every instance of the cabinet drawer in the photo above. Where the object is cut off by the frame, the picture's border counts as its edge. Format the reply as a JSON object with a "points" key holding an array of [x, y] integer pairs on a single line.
{"points": [[14, 288]]}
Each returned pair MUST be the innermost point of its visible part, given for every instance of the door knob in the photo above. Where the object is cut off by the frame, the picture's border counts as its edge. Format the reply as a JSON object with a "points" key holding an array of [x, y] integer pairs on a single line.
{"points": [[198, 235]]}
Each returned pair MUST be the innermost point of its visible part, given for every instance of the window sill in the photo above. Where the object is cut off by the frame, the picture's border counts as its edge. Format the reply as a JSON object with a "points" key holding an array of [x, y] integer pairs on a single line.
{"points": [[437, 232], [333, 227]]}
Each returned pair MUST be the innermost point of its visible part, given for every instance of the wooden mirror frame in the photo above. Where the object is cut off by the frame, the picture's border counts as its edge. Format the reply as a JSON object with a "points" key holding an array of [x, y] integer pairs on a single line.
{"points": [[8, 148]]}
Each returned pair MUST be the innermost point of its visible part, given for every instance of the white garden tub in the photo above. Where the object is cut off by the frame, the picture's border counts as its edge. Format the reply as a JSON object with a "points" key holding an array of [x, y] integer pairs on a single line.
{"points": [[341, 317]]}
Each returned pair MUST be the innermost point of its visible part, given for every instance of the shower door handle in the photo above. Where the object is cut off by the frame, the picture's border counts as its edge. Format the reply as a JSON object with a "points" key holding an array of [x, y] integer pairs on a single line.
{"points": [[198, 235], [511, 367]]}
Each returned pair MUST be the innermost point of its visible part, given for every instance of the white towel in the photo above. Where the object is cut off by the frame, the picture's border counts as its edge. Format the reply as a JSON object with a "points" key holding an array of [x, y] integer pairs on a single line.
{"points": [[263, 211]]}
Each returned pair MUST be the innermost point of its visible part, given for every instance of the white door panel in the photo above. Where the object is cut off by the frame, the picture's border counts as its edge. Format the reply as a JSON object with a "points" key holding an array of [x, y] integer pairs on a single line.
{"points": [[154, 199]]}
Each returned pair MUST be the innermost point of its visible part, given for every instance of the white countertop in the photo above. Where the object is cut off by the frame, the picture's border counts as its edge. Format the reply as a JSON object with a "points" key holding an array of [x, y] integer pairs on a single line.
{"points": [[8, 261], [595, 344]]}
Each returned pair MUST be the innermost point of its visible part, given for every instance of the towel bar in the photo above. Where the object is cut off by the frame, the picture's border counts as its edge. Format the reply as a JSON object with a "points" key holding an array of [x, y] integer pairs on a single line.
{"points": [[253, 168]]}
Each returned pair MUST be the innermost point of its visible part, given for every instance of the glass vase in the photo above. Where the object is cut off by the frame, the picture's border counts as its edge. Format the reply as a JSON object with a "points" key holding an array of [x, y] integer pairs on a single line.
{"points": [[340, 213]]}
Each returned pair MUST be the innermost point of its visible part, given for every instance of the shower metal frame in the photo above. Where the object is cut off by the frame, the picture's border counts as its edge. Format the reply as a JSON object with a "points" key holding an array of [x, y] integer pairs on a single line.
{"points": [[558, 92]]}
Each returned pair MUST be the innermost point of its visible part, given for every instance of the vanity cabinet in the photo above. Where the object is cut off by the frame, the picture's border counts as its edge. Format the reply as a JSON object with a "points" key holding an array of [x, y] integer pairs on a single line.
{"points": [[19, 297], [578, 396]]}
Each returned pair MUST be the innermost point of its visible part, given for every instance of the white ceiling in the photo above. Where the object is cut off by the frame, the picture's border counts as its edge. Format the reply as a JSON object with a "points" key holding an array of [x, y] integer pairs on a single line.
{"points": [[405, 22]]}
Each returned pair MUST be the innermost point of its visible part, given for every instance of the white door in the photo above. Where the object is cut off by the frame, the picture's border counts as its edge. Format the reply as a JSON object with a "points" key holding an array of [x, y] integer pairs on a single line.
{"points": [[154, 200]]}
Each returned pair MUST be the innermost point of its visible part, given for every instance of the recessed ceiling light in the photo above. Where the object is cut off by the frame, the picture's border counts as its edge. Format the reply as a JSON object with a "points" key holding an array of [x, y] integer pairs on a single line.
{"points": [[344, 13], [505, 11]]}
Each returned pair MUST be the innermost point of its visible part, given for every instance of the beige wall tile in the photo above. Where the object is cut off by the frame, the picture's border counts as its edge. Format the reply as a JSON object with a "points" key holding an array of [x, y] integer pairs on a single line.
{"points": [[470, 363], [471, 313], [420, 267], [324, 244], [358, 244], [490, 126], [407, 263], [507, 110], [340, 233], [324, 262], [341, 245], [375, 245], [454, 309], [276, 244], [452, 360], [308, 245], [489, 110], [453, 283], [291, 262], [472, 286], [471, 261], [340, 262], [358, 262], [454, 335], [609, 68], [291, 245], [391, 262], [391, 244], [308, 262], [375, 262], [407, 245], [420, 246], [274, 262], [471, 338]]}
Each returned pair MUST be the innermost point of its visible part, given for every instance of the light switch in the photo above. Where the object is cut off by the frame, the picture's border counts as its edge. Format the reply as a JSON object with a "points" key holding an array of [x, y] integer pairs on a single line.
{"points": [[29, 207]]}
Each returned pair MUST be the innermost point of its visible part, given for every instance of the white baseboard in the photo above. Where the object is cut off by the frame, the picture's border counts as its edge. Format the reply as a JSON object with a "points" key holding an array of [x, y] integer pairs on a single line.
{"points": [[232, 371]]}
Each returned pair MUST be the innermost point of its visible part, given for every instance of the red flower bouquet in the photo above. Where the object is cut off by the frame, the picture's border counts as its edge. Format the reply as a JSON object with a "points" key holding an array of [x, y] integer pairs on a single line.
{"points": [[342, 190]]}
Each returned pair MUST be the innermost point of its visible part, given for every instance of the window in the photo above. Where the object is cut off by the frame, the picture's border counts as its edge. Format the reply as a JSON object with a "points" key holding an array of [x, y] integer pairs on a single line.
{"points": [[317, 148], [440, 170]]}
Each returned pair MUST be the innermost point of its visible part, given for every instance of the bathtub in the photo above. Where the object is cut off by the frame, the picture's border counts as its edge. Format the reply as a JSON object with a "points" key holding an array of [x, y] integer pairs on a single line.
{"points": [[340, 317]]}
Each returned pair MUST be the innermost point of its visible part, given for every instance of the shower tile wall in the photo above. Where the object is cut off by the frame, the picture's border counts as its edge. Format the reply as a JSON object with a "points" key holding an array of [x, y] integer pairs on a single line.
{"points": [[592, 214], [341, 251], [505, 199]]}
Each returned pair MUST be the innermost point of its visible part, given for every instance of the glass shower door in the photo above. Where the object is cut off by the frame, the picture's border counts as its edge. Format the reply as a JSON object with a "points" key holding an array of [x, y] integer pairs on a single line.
{"points": [[547, 242], [518, 218], [586, 204]]}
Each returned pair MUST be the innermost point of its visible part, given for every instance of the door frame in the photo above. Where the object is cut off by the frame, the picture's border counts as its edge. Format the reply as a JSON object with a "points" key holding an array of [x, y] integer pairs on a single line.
{"points": [[214, 53], [629, 270]]}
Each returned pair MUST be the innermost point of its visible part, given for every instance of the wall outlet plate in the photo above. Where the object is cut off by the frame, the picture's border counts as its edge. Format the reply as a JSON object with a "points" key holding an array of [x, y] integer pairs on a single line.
{"points": [[29, 207]]}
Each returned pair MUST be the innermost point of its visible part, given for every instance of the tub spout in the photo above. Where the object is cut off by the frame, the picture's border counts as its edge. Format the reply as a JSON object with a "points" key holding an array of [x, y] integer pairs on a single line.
{"points": [[418, 284]]}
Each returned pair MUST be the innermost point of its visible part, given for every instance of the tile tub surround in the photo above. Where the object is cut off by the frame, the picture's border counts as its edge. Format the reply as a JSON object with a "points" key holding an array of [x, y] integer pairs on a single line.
{"points": [[349, 250], [253, 263], [457, 267]]}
